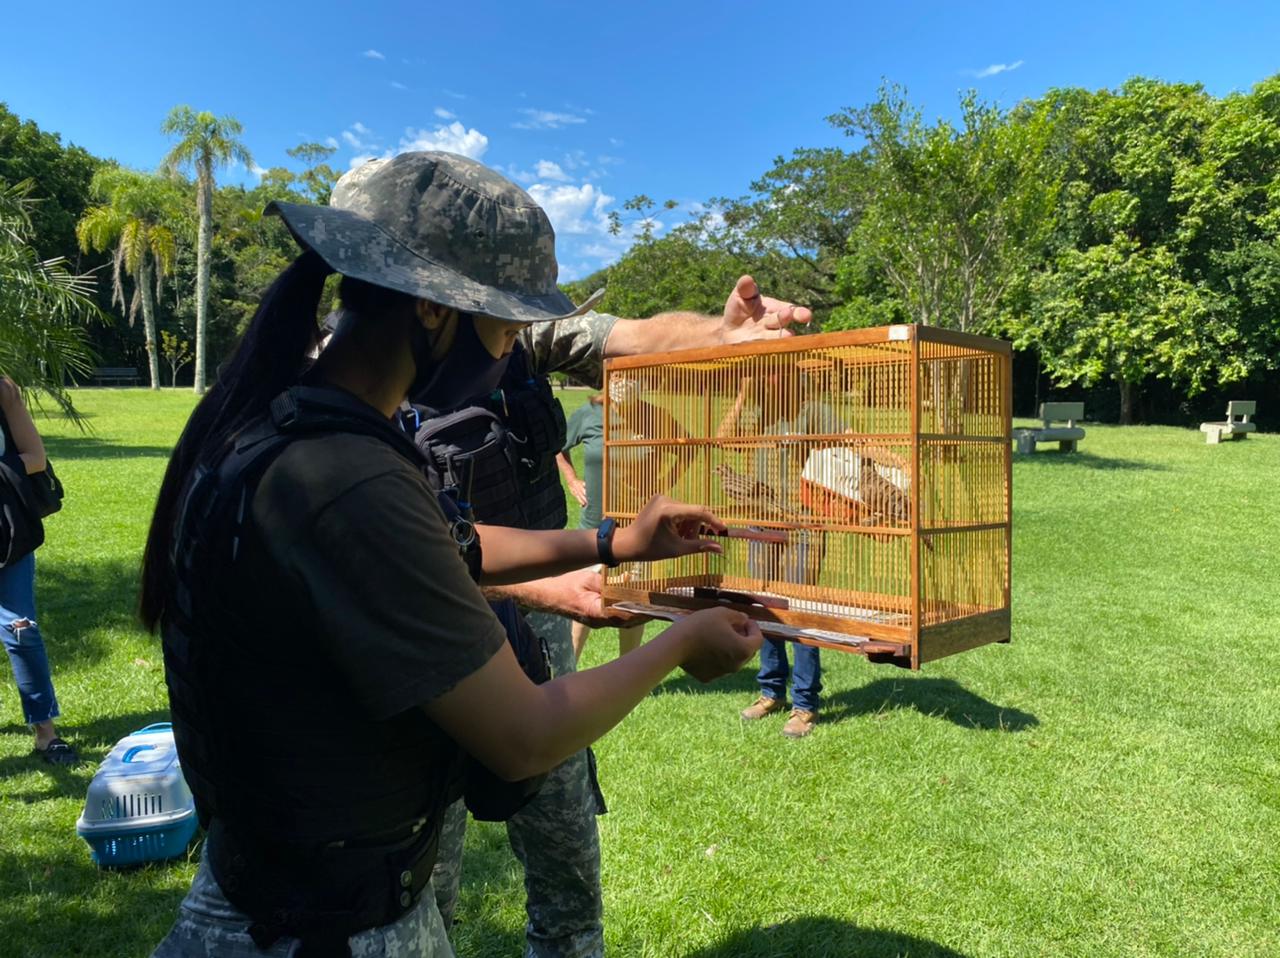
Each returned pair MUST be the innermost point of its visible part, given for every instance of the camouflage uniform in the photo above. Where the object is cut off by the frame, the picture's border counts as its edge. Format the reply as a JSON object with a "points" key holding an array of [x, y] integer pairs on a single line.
{"points": [[208, 925], [554, 836]]}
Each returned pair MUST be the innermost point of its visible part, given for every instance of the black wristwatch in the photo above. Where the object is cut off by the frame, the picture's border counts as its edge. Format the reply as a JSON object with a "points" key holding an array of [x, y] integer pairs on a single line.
{"points": [[604, 542]]}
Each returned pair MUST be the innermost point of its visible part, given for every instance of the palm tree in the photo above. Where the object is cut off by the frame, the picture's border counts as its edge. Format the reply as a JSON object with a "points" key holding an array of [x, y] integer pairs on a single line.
{"points": [[43, 306], [207, 141], [132, 219]]}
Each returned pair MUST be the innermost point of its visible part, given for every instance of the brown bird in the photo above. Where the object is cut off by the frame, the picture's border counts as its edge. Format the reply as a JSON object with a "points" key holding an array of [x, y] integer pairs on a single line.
{"points": [[884, 502], [760, 499]]}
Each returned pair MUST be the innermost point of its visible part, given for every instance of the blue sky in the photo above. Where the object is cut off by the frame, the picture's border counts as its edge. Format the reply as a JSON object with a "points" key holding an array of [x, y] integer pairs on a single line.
{"points": [[586, 104]]}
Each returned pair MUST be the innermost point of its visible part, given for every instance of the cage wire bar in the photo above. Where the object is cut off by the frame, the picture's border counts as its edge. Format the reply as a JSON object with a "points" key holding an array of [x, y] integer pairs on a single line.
{"points": [[865, 476]]}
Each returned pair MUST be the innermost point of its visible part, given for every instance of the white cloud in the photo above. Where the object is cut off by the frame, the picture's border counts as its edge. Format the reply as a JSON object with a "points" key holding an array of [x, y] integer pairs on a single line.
{"points": [[331, 141], [444, 114], [257, 170], [455, 94], [374, 55], [574, 210], [546, 170], [396, 85], [993, 69], [454, 138], [547, 120], [359, 137]]}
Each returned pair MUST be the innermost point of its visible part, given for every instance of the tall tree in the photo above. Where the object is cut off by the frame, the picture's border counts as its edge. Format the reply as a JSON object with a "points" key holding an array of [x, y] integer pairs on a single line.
{"points": [[319, 177], [132, 221], [61, 174], [44, 306], [207, 142], [1166, 260], [796, 225], [954, 212]]}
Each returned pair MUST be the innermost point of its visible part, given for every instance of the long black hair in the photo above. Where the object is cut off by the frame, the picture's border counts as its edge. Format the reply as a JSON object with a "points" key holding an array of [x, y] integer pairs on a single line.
{"points": [[271, 356]]}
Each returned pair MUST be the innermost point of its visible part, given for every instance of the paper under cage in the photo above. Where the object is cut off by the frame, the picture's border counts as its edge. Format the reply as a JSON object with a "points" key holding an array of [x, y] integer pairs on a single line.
{"points": [[865, 476]]}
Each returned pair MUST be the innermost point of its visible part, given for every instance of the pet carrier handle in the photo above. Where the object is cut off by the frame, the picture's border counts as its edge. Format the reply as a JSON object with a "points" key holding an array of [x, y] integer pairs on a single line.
{"points": [[155, 727], [129, 755]]}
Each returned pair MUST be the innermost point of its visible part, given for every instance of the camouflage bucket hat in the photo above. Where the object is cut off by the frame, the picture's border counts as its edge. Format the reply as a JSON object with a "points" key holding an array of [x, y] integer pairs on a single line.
{"points": [[441, 227]]}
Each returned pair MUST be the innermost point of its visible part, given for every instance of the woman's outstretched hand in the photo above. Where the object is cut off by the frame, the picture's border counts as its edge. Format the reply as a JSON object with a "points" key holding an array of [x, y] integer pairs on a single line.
{"points": [[665, 529], [719, 642]]}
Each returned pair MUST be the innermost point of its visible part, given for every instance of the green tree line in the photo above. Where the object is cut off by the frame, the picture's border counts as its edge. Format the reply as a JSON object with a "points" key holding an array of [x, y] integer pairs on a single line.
{"points": [[1124, 240], [1127, 241], [134, 242]]}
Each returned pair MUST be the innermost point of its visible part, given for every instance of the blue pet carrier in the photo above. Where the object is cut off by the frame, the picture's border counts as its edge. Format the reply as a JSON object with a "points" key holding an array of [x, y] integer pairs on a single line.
{"points": [[139, 808]]}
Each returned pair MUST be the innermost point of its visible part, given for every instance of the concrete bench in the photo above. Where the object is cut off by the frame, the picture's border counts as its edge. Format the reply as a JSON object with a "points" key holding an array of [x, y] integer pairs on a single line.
{"points": [[109, 375], [1237, 425], [1065, 436]]}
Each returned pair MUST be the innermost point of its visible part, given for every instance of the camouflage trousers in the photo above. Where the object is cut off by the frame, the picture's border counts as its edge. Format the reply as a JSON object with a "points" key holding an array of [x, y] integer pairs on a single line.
{"points": [[555, 839], [209, 926]]}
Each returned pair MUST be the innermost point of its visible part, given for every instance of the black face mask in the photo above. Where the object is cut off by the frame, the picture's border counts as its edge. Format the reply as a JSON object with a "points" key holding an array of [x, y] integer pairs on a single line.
{"points": [[466, 370]]}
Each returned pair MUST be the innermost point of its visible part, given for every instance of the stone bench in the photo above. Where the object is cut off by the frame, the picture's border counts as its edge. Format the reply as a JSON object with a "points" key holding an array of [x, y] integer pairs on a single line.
{"points": [[1065, 436], [1237, 425]]}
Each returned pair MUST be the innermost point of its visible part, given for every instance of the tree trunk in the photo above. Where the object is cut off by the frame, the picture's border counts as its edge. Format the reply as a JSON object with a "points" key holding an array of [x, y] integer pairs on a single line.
{"points": [[149, 323], [1127, 395], [203, 249]]}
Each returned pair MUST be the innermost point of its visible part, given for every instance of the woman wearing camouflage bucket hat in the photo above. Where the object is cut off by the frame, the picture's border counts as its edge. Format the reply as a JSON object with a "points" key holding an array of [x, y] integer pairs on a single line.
{"points": [[328, 654]]}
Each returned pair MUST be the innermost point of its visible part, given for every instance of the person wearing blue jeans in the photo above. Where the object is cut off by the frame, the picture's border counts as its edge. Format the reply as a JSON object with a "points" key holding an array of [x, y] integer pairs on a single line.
{"points": [[806, 676], [20, 444]]}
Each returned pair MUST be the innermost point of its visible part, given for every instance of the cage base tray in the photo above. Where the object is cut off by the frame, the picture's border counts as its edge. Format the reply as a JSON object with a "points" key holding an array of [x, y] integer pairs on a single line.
{"points": [[874, 649]]}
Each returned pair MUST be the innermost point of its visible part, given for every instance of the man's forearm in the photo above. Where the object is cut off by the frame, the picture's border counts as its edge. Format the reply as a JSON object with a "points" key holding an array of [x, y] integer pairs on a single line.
{"points": [[662, 333], [536, 595]]}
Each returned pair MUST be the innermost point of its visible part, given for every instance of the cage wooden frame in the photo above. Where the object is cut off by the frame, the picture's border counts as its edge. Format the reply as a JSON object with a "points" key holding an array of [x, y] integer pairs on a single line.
{"points": [[884, 527]]}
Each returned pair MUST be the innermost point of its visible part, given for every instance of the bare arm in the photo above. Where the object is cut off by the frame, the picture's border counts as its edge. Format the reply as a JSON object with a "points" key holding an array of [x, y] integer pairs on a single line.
{"points": [[570, 477], [26, 438], [574, 594], [664, 529], [519, 729], [730, 421], [747, 316]]}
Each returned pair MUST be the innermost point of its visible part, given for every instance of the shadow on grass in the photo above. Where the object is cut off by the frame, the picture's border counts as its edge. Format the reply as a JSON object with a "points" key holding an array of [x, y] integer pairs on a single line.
{"points": [[936, 698], [58, 905], [93, 740], [94, 447], [741, 682], [79, 601], [823, 938], [1055, 458]]}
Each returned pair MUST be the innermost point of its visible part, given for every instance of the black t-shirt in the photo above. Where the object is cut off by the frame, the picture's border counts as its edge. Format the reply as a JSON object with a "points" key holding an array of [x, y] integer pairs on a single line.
{"points": [[363, 611]]}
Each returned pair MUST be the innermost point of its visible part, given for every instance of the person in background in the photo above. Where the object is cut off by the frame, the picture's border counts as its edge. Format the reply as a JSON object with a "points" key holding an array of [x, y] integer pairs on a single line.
{"points": [[20, 444], [586, 428], [772, 407]]}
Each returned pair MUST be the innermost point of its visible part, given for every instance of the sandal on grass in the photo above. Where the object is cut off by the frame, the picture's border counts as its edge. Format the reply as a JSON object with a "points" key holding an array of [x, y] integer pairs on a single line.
{"points": [[58, 752]]}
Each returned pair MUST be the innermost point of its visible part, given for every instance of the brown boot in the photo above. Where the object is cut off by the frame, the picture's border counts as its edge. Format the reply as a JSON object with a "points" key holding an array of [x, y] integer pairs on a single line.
{"points": [[761, 707], [800, 724]]}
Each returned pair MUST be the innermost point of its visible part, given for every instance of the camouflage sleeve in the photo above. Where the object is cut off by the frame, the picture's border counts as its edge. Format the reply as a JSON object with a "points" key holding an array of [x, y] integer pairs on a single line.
{"points": [[574, 347]]}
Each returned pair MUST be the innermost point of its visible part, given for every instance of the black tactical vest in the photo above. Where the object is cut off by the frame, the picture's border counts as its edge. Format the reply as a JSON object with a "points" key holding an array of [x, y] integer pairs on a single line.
{"points": [[291, 877], [499, 451]]}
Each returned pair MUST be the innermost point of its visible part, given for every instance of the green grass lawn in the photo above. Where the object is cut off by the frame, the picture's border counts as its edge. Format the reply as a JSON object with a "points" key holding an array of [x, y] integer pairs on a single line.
{"points": [[1107, 785]]}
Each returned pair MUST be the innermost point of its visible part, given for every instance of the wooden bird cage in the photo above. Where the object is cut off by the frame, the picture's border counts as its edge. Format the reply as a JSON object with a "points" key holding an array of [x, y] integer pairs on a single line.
{"points": [[865, 476]]}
